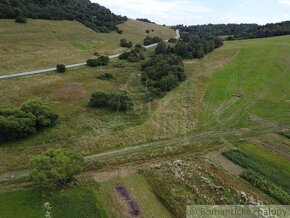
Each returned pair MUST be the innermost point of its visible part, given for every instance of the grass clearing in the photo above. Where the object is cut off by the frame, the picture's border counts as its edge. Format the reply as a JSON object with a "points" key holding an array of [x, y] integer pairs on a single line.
{"points": [[21, 203], [43, 43], [142, 192], [76, 203]]}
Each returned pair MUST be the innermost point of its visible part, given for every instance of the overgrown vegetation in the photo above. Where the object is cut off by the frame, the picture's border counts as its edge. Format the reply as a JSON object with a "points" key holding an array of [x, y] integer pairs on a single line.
{"points": [[92, 15], [239, 31], [162, 73], [55, 168], [193, 46], [118, 100], [76, 203], [134, 55], [267, 186], [30, 118], [266, 169]]}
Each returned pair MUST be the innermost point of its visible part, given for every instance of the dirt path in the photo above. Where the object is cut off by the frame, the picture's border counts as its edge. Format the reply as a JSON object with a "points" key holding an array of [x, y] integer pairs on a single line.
{"points": [[10, 176]]}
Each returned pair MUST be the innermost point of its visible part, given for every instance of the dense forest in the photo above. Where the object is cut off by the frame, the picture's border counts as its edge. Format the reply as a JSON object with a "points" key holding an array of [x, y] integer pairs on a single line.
{"points": [[92, 15], [239, 31]]}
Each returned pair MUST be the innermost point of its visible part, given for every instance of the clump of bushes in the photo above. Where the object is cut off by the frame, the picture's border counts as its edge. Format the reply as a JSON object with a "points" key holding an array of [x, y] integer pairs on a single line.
{"points": [[147, 31], [20, 19], [100, 61], [162, 73], [30, 118], [126, 44], [134, 55], [152, 40], [106, 76], [119, 100], [56, 168], [172, 40], [194, 46], [60, 68]]}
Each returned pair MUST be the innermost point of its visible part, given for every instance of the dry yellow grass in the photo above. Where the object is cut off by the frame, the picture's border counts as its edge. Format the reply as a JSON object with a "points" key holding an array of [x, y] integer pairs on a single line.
{"points": [[42, 43]]}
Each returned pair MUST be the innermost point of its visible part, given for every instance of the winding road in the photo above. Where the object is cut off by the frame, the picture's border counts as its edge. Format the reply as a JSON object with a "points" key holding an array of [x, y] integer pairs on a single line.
{"points": [[12, 75]]}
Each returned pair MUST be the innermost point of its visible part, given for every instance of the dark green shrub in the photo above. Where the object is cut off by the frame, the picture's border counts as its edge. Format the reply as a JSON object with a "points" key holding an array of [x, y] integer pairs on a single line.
{"points": [[92, 62], [133, 57], [20, 19], [60, 68], [172, 40], [103, 60], [119, 100], [100, 61], [106, 76], [124, 56], [161, 48], [21, 122], [149, 40], [99, 99], [125, 44], [147, 31], [141, 57]]}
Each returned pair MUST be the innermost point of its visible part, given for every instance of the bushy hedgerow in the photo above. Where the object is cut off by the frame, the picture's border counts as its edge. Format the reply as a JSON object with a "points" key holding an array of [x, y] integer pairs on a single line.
{"points": [[162, 73], [92, 15], [118, 100], [134, 55], [100, 61], [21, 122], [151, 40], [193, 46]]}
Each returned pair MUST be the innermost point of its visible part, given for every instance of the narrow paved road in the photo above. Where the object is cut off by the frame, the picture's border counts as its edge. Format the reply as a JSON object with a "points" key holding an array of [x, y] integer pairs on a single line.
{"points": [[68, 66]]}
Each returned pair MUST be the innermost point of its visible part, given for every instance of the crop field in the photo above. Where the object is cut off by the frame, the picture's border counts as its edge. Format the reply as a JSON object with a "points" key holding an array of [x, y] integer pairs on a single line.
{"points": [[43, 44]]}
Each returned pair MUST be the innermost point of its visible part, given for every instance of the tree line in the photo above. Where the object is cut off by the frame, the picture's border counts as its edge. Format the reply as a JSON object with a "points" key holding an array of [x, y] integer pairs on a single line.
{"points": [[238, 31], [92, 15]]}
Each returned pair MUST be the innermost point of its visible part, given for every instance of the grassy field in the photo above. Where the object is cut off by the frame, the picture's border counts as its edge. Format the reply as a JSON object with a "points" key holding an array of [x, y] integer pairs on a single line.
{"points": [[181, 111], [40, 44], [260, 75], [21, 203], [138, 187], [29, 203]]}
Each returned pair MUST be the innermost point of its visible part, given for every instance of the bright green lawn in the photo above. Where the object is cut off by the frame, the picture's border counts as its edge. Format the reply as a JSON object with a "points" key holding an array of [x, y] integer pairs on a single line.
{"points": [[26, 203], [260, 72]]}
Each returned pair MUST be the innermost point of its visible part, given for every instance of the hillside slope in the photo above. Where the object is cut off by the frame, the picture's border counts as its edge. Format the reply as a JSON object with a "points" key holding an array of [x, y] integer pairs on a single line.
{"points": [[90, 14], [42, 43]]}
